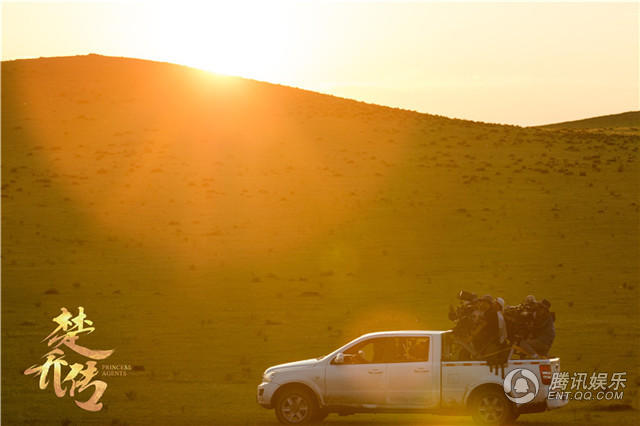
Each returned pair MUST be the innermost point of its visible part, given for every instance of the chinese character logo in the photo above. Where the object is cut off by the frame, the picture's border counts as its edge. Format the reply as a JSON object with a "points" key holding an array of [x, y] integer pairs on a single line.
{"points": [[581, 386], [80, 377], [521, 385]]}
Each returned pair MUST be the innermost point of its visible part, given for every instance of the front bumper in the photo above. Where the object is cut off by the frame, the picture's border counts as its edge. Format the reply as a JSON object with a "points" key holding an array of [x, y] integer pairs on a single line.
{"points": [[265, 394]]}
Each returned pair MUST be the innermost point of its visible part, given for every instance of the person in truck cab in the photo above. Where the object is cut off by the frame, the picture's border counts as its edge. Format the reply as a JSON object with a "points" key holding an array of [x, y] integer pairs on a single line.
{"points": [[538, 344]]}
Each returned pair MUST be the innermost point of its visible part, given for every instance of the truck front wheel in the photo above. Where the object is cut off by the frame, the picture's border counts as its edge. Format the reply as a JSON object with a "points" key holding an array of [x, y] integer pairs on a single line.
{"points": [[491, 407], [296, 406]]}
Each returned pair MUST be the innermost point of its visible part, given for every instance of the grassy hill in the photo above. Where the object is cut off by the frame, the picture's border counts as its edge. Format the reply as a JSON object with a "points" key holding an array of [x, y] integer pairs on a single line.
{"points": [[626, 122], [214, 226]]}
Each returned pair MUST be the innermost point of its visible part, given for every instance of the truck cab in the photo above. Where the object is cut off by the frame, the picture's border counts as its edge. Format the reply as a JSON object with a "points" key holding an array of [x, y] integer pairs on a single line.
{"points": [[405, 371]]}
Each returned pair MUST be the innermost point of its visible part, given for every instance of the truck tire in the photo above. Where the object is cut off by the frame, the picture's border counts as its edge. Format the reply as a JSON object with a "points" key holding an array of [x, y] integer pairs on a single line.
{"points": [[296, 406], [491, 407]]}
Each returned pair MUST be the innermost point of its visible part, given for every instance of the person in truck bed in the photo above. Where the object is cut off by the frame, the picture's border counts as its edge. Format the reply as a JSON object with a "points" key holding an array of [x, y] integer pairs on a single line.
{"points": [[538, 344], [486, 335], [502, 325]]}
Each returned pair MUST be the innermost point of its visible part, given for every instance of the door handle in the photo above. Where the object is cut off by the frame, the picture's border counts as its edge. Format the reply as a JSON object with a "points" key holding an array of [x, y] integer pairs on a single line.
{"points": [[375, 371], [421, 370]]}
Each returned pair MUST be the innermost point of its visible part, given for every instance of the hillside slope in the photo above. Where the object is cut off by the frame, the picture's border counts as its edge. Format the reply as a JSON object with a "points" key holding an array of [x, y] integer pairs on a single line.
{"points": [[628, 122], [213, 226]]}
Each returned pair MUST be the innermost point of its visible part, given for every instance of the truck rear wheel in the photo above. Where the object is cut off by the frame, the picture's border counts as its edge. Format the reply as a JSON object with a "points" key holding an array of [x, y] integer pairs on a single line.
{"points": [[296, 406], [491, 407]]}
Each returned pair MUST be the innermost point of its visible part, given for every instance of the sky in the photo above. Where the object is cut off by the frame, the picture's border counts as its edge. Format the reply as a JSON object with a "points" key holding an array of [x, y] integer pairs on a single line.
{"points": [[524, 63]]}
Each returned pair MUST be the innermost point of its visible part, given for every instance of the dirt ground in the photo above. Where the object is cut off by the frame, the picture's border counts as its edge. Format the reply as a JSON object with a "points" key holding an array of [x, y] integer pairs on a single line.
{"points": [[212, 227]]}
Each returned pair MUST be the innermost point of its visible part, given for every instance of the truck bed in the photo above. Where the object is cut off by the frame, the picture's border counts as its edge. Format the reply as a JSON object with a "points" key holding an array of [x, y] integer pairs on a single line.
{"points": [[461, 378]]}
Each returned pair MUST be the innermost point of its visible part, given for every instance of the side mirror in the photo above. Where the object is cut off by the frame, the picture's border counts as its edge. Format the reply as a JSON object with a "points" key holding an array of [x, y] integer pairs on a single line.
{"points": [[339, 359]]}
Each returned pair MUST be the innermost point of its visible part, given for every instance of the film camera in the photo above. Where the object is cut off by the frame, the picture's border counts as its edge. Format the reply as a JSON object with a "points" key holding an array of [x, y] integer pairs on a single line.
{"points": [[464, 314], [522, 319]]}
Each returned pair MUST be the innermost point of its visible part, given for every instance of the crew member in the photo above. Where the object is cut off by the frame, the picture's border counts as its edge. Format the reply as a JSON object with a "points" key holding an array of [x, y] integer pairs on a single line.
{"points": [[539, 342]]}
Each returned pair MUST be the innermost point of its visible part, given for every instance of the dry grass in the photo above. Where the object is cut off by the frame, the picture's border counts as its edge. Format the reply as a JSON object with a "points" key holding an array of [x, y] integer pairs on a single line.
{"points": [[212, 227]]}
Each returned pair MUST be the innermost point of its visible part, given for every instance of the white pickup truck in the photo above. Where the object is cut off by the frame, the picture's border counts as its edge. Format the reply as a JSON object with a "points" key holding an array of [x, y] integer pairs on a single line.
{"points": [[406, 371]]}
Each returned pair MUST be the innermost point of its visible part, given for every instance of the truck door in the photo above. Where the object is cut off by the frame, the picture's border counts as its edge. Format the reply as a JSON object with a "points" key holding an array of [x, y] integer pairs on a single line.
{"points": [[361, 378], [411, 375]]}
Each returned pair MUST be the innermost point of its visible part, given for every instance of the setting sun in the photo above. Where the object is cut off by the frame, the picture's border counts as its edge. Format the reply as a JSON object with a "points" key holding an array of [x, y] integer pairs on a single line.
{"points": [[233, 38], [455, 59]]}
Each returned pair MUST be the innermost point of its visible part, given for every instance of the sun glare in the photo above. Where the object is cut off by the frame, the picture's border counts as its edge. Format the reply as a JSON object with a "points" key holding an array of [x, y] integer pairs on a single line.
{"points": [[228, 38]]}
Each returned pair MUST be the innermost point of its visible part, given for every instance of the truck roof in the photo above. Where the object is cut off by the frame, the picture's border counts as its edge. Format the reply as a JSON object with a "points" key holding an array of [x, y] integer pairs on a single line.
{"points": [[405, 332]]}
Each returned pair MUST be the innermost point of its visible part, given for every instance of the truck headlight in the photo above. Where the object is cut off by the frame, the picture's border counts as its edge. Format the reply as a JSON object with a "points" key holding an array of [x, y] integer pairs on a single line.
{"points": [[267, 377]]}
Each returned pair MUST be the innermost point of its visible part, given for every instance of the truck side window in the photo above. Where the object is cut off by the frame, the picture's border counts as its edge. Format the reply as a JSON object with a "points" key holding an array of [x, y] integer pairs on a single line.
{"points": [[410, 349], [372, 351]]}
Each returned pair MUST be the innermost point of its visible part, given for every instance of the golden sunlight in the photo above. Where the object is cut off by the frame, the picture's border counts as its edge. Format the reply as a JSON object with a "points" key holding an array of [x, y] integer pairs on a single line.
{"points": [[229, 186], [225, 38]]}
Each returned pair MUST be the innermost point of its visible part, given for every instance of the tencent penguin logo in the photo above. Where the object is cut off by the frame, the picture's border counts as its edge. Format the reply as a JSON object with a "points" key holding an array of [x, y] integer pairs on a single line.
{"points": [[521, 386]]}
